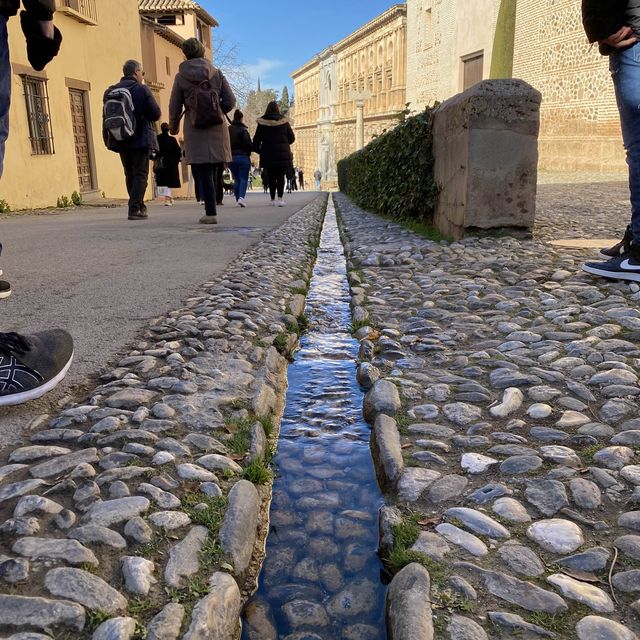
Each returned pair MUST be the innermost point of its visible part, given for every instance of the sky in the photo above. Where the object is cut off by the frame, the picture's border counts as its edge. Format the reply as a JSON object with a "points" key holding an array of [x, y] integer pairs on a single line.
{"points": [[275, 37]]}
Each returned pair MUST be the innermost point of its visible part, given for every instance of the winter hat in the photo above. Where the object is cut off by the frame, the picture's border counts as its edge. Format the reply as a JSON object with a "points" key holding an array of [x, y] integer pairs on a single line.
{"points": [[193, 48]]}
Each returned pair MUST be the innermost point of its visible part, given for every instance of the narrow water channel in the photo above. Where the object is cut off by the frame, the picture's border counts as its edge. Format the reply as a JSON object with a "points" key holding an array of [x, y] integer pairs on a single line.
{"points": [[321, 575]]}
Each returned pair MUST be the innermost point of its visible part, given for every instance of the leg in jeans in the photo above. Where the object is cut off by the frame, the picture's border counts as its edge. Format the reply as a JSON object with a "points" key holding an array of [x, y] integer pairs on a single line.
{"points": [[5, 88], [244, 166], [234, 167], [625, 71], [205, 176]]}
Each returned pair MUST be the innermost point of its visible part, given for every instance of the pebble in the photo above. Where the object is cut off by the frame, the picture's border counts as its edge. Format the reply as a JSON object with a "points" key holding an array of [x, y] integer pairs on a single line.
{"points": [[556, 535]]}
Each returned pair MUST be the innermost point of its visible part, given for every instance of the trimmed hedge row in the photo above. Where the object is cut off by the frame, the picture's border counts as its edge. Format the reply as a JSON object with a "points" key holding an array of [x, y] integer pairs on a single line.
{"points": [[393, 174]]}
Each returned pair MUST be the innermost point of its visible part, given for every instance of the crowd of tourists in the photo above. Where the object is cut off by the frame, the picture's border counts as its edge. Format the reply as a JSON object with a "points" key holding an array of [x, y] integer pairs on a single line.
{"points": [[201, 99]]}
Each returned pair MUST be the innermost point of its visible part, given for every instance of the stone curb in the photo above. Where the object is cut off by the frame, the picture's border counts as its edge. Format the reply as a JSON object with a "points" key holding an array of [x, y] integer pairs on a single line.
{"points": [[145, 465]]}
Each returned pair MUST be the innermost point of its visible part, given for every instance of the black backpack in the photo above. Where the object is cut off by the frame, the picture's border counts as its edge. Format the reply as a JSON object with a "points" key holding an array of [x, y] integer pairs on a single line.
{"points": [[118, 118], [204, 104]]}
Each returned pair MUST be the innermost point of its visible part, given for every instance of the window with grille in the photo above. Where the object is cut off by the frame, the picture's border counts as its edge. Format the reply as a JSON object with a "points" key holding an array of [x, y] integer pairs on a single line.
{"points": [[38, 114]]}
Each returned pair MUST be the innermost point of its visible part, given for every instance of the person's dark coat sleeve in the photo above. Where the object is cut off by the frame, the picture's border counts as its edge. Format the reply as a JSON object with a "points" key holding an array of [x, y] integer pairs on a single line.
{"points": [[246, 141], [602, 19], [151, 107], [40, 49], [257, 139], [291, 137]]}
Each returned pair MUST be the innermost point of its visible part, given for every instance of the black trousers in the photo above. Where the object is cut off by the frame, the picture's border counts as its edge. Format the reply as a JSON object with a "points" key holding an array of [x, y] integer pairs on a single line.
{"points": [[219, 185], [136, 174], [276, 181], [204, 176]]}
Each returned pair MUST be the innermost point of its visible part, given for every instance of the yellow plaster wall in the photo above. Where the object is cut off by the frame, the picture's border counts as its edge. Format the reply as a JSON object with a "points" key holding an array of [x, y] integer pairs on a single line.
{"points": [[92, 54]]}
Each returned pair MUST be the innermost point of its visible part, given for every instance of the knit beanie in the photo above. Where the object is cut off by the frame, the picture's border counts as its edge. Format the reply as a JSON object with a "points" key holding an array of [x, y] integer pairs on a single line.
{"points": [[193, 48]]}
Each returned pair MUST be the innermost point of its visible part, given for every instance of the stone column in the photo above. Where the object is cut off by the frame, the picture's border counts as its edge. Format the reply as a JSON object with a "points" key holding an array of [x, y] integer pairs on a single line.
{"points": [[359, 124]]}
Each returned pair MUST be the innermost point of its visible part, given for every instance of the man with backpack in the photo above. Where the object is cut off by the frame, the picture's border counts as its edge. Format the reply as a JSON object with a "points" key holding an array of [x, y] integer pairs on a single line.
{"points": [[203, 96], [129, 109]]}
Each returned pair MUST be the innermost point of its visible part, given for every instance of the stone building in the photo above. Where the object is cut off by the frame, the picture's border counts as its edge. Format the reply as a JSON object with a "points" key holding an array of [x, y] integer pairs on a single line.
{"points": [[579, 125], [350, 92]]}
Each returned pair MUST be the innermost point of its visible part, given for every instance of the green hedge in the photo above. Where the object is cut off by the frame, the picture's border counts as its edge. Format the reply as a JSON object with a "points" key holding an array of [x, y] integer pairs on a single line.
{"points": [[393, 174]]}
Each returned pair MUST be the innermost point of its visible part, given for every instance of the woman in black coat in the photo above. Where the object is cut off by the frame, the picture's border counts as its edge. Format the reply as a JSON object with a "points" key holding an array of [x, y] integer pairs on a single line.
{"points": [[272, 141], [167, 165]]}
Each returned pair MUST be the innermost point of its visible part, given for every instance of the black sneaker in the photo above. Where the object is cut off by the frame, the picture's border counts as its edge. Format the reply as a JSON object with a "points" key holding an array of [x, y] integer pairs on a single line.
{"points": [[618, 249], [5, 289], [624, 267], [32, 365], [138, 215]]}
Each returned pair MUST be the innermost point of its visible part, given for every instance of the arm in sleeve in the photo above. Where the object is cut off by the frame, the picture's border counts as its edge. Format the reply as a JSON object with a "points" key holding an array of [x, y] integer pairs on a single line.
{"points": [[175, 108], [291, 137], [257, 139], [227, 99], [602, 19], [151, 107], [246, 141], [40, 49]]}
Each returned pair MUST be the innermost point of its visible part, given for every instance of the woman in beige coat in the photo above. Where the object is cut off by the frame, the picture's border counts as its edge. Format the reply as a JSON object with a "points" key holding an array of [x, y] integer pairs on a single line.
{"points": [[205, 148]]}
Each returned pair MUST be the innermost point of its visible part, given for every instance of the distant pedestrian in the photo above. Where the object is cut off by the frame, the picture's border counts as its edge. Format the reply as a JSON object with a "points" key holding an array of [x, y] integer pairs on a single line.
{"points": [[273, 139], [204, 94], [264, 175], [317, 176], [241, 147], [167, 164], [130, 133], [301, 179], [615, 26]]}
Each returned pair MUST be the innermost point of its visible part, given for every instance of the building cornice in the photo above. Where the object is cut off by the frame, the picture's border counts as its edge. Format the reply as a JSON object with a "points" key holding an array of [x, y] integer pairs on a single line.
{"points": [[163, 32], [390, 15], [147, 7]]}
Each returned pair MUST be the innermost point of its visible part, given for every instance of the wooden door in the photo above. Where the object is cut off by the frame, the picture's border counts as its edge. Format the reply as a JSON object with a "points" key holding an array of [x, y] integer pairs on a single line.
{"points": [[81, 139], [473, 70]]}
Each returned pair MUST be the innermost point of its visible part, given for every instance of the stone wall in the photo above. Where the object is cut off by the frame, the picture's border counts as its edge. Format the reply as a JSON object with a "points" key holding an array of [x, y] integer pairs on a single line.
{"points": [[580, 130]]}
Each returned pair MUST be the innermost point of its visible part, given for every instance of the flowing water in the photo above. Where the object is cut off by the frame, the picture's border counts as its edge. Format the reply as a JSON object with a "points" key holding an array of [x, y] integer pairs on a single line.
{"points": [[321, 575]]}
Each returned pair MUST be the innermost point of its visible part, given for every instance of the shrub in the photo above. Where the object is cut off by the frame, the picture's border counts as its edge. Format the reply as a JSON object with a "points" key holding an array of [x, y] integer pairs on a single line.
{"points": [[393, 174], [63, 202], [4, 206], [76, 198]]}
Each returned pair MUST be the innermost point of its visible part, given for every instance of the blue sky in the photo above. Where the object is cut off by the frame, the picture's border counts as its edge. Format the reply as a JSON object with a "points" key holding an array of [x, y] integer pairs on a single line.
{"points": [[275, 37]]}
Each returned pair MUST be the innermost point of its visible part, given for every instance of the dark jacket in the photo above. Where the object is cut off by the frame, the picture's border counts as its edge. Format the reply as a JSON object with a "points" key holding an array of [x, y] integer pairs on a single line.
{"points": [[202, 146], [146, 110], [171, 153], [40, 50], [241, 144], [272, 141], [39, 9], [602, 19]]}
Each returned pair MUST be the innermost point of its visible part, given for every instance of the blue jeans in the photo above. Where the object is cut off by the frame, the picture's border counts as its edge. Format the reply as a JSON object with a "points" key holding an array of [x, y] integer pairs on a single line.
{"points": [[625, 71], [5, 87], [240, 167]]}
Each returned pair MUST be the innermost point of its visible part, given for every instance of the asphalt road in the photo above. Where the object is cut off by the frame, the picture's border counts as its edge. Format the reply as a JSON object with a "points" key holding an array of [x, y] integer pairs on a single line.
{"points": [[102, 277]]}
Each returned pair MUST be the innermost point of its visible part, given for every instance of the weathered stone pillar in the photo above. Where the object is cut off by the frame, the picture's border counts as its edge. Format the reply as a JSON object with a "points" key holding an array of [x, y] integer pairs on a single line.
{"points": [[359, 124], [485, 143]]}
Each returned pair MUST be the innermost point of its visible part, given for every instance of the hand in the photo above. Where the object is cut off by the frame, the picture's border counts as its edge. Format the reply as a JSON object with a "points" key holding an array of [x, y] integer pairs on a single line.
{"points": [[47, 28], [621, 39]]}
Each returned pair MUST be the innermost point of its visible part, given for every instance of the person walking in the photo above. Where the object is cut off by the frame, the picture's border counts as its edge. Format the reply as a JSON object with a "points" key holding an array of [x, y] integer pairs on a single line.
{"points": [[241, 147], [317, 176], [301, 179], [30, 365], [272, 140], [615, 26], [167, 164], [264, 176], [202, 94], [133, 147]]}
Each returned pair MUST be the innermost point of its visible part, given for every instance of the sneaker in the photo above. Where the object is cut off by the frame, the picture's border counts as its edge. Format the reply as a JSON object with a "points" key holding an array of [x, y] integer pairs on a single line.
{"points": [[273, 203], [209, 220], [138, 215], [5, 289], [624, 267], [32, 365], [618, 249], [281, 203], [241, 202]]}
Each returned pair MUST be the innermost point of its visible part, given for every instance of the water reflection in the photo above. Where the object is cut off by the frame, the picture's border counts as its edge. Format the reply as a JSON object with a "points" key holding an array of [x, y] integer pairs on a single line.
{"points": [[321, 575]]}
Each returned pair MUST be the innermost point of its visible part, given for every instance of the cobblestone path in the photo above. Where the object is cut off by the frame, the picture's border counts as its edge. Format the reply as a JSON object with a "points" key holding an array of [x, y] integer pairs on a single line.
{"points": [[511, 462]]}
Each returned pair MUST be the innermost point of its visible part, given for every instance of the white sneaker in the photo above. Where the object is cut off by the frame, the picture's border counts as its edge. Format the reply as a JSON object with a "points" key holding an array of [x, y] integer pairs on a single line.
{"points": [[273, 203], [281, 203], [241, 202]]}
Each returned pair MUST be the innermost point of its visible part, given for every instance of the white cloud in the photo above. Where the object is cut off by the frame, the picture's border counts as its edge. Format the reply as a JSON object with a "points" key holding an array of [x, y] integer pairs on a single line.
{"points": [[261, 69]]}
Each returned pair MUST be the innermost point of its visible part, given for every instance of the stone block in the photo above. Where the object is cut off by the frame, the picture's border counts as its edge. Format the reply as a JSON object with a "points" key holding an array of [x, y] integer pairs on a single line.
{"points": [[486, 155]]}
